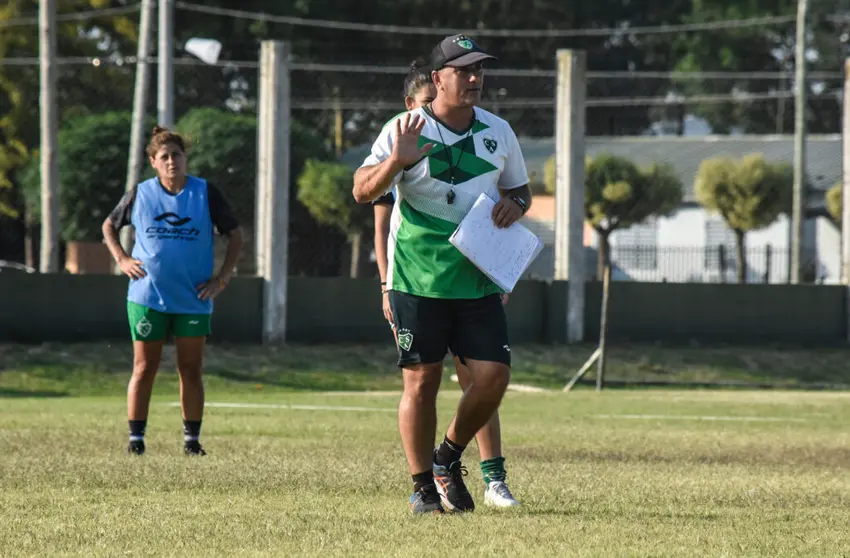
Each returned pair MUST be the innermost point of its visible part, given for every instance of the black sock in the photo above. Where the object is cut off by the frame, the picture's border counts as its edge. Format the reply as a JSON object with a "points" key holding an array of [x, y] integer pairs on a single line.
{"points": [[421, 480], [191, 430], [137, 430], [448, 452]]}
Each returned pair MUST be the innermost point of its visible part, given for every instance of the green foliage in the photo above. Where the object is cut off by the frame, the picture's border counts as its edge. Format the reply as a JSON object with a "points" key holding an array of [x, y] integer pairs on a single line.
{"points": [[834, 202], [77, 85], [324, 188], [749, 194], [222, 148], [664, 190], [618, 194], [766, 48], [92, 174]]}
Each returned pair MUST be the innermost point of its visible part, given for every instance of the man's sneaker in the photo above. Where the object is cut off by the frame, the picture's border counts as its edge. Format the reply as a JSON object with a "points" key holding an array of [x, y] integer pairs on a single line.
{"points": [[450, 485], [426, 500], [136, 447], [498, 495], [193, 448]]}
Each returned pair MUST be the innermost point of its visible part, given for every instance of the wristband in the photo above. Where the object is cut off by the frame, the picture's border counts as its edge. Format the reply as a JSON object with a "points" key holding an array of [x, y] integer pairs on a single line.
{"points": [[520, 202]]}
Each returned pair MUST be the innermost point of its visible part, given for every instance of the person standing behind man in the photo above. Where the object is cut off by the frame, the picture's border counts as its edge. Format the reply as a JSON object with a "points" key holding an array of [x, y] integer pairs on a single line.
{"points": [[440, 158]]}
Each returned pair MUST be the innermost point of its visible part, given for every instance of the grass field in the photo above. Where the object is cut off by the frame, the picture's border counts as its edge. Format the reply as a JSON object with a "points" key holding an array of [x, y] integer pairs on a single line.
{"points": [[308, 468]]}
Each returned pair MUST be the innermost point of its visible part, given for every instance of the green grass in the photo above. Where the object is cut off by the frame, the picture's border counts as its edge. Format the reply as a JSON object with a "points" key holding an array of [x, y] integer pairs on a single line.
{"points": [[102, 369], [284, 482], [622, 473]]}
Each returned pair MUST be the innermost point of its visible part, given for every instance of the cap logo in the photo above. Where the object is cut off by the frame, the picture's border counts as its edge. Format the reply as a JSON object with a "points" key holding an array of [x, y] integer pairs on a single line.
{"points": [[465, 43]]}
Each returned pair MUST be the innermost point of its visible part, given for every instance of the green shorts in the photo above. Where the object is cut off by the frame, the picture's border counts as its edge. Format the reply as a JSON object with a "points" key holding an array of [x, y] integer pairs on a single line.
{"points": [[147, 324]]}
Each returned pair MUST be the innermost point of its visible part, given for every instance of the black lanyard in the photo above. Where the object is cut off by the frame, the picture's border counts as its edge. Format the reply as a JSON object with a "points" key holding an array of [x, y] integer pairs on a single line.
{"points": [[450, 195]]}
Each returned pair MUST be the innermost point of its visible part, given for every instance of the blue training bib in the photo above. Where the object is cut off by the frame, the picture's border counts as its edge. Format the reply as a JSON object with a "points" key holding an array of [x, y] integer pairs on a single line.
{"points": [[174, 241]]}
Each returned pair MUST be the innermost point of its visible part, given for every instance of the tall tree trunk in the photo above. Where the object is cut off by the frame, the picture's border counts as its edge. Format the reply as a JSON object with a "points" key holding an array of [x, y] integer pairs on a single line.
{"points": [[603, 253], [741, 256], [356, 239]]}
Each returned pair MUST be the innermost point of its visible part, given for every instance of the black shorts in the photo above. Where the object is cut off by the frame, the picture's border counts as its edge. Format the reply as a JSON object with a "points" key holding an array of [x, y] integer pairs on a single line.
{"points": [[426, 328]]}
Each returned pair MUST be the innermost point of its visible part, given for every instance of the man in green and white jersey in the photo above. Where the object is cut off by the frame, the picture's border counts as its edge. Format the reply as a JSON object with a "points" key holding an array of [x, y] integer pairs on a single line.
{"points": [[440, 158]]}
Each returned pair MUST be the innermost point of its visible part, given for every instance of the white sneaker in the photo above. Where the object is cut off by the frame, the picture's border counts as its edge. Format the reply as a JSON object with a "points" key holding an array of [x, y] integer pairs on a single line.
{"points": [[498, 495]]}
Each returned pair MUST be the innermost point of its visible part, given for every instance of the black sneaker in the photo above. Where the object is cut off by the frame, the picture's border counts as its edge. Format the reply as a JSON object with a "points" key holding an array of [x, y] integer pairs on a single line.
{"points": [[136, 447], [193, 448], [426, 500], [450, 485]]}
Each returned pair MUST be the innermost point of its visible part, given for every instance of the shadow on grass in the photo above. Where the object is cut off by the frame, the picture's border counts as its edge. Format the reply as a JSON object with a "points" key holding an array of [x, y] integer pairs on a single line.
{"points": [[25, 393]]}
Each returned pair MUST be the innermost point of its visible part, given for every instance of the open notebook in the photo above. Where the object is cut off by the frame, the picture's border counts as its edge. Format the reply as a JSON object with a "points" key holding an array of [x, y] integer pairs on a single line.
{"points": [[503, 255]]}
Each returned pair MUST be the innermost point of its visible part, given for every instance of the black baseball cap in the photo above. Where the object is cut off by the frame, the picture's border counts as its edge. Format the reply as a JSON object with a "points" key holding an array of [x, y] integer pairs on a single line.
{"points": [[457, 51]]}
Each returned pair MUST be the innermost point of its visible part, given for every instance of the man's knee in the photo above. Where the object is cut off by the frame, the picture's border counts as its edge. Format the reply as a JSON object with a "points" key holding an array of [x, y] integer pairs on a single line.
{"points": [[423, 382], [491, 378]]}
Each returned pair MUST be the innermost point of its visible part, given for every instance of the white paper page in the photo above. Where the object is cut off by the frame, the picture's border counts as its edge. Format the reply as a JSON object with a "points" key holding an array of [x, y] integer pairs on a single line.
{"points": [[501, 254]]}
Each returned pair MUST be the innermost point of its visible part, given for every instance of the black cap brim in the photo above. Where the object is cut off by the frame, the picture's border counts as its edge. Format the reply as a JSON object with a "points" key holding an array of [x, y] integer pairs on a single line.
{"points": [[469, 59]]}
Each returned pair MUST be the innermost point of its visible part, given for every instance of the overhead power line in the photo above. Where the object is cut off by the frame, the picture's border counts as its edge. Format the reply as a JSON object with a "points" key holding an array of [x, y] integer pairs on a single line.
{"points": [[528, 33]]}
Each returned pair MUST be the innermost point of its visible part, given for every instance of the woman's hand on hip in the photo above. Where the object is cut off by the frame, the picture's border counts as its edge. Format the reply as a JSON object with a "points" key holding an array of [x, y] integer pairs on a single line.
{"points": [[131, 267], [212, 288]]}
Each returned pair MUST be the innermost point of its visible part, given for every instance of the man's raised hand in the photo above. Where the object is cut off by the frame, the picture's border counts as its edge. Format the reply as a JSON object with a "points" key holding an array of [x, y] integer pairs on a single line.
{"points": [[406, 150]]}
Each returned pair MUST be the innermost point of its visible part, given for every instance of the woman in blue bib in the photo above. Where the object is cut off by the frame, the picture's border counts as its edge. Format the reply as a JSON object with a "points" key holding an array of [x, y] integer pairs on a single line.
{"points": [[172, 281]]}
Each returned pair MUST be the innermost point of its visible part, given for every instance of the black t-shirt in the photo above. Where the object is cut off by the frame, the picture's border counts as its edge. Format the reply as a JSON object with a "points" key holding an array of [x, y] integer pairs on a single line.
{"points": [[221, 212]]}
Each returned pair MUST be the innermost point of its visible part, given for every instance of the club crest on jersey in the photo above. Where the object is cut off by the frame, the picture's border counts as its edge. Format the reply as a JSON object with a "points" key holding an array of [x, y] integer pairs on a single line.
{"points": [[405, 339], [491, 144]]}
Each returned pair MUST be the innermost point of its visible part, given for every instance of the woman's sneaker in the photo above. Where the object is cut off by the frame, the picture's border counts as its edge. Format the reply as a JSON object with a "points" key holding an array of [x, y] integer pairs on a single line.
{"points": [[193, 448], [499, 495], [136, 447]]}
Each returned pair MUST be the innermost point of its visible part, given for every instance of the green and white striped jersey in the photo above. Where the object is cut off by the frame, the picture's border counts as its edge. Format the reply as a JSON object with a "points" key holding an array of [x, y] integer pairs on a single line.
{"points": [[484, 158]]}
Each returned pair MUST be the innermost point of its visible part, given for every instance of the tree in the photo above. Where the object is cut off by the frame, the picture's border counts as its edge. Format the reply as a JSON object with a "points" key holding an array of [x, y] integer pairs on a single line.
{"points": [[749, 194], [79, 85], [223, 149], [93, 162], [834, 199], [769, 48], [324, 187], [618, 195]]}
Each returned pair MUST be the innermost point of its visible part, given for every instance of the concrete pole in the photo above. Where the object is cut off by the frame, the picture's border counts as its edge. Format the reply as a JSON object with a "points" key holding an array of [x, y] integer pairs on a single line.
{"points": [[49, 124], [569, 185], [272, 213], [798, 208], [165, 96]]}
